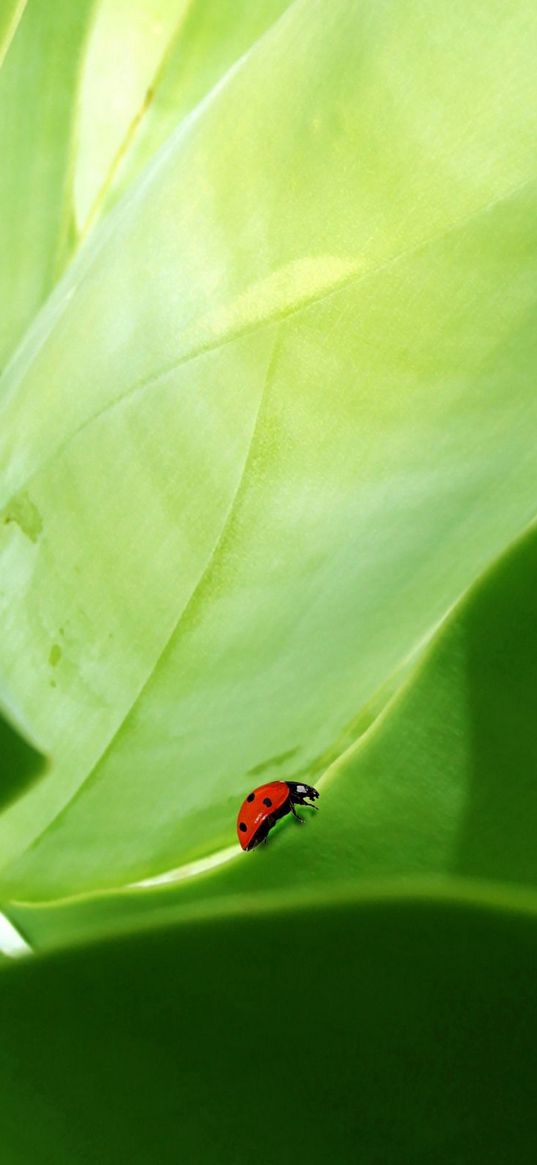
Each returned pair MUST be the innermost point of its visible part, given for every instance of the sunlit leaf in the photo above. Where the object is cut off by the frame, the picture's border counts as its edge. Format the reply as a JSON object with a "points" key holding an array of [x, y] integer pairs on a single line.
{"points": [[443, 785], [129, 39], [38, 114], [172, 55], [278, 414], [10, 15]]}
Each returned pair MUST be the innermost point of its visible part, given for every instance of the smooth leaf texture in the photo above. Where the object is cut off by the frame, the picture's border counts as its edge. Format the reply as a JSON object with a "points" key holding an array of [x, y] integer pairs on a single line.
{"points": [[129, 39], [382, 1032], [444, 782], [289, 417], [38, 105], [10, 15], [205, 40], [441, 786]]}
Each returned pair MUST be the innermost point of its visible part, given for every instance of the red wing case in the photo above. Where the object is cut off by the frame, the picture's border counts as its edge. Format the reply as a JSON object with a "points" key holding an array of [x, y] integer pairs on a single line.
{"points": [[260, 804]]}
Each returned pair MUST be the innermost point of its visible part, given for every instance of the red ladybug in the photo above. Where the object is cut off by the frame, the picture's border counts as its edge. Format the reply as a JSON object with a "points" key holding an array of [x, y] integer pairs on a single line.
{"points": [[264, 807]]}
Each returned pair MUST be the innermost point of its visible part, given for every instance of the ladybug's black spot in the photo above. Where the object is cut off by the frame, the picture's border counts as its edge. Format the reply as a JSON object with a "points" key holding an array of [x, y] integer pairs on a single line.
{"points": [[243, 827], [267, 801], [250, 796]]}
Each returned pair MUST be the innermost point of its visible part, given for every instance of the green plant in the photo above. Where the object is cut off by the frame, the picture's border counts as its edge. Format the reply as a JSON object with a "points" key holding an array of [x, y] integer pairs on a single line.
{"points": [[267, 492]]}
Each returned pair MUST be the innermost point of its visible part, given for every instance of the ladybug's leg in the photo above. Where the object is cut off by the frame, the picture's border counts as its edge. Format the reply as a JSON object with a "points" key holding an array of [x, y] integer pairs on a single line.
{"points": [[295, 814]]}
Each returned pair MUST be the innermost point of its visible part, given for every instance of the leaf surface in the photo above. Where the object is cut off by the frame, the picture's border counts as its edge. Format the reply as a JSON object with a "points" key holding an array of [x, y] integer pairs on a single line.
{"points": [[289, 418], [440, 786], [399, 1024], [10, 16], [39, 80], [177, 54]]}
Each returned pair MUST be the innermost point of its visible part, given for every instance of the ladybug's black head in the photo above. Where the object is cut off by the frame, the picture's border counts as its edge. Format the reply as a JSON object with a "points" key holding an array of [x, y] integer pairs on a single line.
{"points": [[302, 794]]}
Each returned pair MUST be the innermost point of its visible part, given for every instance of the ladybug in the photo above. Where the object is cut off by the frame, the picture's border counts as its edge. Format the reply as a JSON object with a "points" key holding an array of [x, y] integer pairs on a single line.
{"points": [[264, 807]]}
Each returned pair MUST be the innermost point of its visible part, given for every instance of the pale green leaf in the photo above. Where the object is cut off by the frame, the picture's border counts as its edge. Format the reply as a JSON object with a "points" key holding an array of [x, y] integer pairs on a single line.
{"points": [[129, 39], [38, 116], [441, 786], [10, 15], [168, 56], [277, 416]]}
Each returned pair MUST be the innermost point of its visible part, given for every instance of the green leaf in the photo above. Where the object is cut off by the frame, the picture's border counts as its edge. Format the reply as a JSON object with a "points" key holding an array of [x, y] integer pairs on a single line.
{"points": [[172, 56], [128, 41], [382, 1031], [20, 763], [292, 419], [10, 15], [440, 786], [38, 108]]}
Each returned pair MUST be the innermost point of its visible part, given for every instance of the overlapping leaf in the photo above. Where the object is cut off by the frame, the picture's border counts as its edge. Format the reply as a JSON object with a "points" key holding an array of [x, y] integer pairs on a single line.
{"points": [[380, 1031], [44, 46], [203, 40]]}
